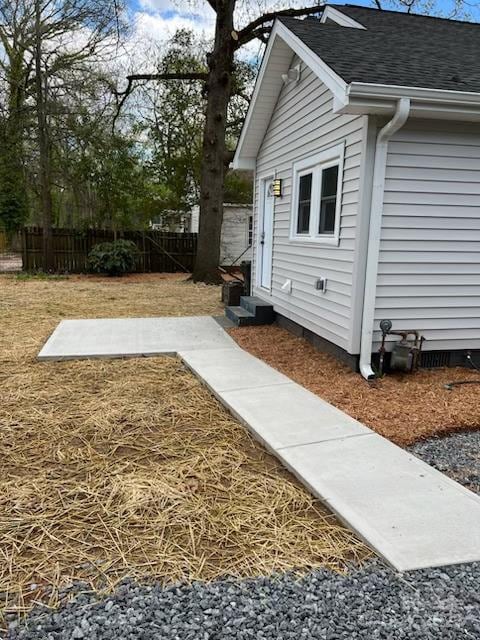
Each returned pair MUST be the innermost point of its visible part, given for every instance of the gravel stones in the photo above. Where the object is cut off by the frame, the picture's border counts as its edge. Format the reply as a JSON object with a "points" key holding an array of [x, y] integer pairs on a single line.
{"points": [[372, 602], [457, 455]]}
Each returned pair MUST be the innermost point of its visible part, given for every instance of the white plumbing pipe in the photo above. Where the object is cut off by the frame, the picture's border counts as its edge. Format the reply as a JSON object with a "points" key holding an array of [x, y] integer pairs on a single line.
{"points": [[373, 249]]}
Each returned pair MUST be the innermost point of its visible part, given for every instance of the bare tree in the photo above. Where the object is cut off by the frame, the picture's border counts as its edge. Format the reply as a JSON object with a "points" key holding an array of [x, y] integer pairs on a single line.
{"points": [[49, 41], [219, 89]]}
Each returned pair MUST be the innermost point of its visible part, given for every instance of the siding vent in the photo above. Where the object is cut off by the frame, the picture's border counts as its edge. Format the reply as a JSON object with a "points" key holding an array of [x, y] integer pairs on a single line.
{"points": [[432, 359]]}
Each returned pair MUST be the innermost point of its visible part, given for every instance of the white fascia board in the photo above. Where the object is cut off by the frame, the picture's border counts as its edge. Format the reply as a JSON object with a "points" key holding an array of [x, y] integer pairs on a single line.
{"points": [[330, 13], [364, 98], [238, 161], [331, 80], [364, 89]]}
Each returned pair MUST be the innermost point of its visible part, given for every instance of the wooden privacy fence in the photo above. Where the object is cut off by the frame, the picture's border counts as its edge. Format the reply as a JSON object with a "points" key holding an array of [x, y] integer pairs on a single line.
{"points": [[3, 241], [159, 251]]}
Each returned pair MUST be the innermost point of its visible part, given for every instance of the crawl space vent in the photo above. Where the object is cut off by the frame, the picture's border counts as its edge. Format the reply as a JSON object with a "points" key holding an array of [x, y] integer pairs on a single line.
{"points": [[432, 359]]}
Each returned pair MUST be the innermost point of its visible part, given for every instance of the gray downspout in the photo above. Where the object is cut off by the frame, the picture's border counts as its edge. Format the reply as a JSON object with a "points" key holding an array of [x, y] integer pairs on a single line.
{"points": [[400, 117]]}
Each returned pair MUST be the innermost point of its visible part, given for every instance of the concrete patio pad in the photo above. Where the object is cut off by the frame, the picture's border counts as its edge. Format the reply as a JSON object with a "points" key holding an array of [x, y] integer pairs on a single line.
{"points": [[127, 337], [411, 514]]}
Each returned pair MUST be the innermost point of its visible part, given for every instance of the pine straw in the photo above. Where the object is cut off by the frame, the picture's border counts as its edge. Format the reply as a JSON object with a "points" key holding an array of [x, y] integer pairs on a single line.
{"points": [[403, 408], [130, 467]]}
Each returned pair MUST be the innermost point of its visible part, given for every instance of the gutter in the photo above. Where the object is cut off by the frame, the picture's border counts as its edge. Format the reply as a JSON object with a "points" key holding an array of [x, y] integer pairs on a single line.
{"points": [[400, 117], [422, 94]]}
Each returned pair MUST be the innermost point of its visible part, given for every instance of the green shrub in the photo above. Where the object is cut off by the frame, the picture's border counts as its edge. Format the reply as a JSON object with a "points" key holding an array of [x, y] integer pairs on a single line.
{"points": [[113, 258]]}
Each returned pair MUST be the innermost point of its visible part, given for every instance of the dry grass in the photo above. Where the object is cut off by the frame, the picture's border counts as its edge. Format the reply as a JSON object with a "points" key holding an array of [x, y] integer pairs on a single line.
{"points": [[130, 467], [403, 408]]}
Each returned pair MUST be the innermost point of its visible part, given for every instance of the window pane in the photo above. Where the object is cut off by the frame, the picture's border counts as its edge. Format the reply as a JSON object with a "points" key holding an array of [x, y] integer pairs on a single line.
{"points": [[327, 215], [304, 203], [329, 181], [328, 202]]}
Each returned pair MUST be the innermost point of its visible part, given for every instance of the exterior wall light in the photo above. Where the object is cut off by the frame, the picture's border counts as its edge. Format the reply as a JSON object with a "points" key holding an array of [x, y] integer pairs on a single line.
{"points": [[277, 187]]}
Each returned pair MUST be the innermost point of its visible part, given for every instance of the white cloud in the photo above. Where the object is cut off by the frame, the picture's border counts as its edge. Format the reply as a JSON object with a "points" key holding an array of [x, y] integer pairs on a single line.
{"points": [[161, 26], [154, 6]]}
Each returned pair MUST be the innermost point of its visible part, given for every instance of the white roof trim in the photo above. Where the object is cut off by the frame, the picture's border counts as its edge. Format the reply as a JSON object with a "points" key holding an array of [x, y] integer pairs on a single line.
{"points": [[333, 81], [330, 13], [364, 98], [240, 162], [365, 89]]}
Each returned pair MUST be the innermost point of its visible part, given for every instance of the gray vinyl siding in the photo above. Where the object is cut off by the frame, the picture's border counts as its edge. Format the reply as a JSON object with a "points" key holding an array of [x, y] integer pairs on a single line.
{"points": [[429, 266], [302, 125]]}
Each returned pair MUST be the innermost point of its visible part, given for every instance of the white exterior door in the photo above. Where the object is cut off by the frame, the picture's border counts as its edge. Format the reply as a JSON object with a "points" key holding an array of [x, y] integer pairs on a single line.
{"points": [[266, 236]]}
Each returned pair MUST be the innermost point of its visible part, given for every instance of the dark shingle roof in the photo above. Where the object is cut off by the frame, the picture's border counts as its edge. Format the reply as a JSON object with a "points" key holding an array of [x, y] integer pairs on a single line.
{"points": [[396, 49]]}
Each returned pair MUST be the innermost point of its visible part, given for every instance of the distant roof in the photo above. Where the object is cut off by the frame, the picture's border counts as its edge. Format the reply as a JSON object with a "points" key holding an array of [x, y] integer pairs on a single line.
{"points": [[396, 48]]}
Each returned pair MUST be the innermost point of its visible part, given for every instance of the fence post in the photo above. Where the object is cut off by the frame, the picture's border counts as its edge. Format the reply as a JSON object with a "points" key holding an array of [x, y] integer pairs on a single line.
{"points": [[24, 249]]}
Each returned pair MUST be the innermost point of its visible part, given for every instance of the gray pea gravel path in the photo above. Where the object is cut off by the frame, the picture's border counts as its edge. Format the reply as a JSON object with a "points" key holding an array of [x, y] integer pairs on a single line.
{"points": [[456, 455], [369, 603]]}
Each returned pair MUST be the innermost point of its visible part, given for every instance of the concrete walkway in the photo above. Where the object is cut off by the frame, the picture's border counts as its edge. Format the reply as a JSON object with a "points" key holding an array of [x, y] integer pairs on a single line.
{"points": [[411, 514]]}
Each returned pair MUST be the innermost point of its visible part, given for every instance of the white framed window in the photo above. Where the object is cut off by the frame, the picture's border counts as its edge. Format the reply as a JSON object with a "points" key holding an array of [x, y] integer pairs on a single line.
{"points": [[316, 197]]}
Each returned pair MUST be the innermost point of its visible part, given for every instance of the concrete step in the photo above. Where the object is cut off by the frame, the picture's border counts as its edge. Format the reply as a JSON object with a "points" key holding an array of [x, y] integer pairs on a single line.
{"points": [[240, 316], [263, 311]]}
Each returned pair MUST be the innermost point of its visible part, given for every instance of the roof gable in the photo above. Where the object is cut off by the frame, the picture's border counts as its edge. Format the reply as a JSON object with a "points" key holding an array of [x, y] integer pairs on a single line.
{"points": [[432, 61], [281, 48]]}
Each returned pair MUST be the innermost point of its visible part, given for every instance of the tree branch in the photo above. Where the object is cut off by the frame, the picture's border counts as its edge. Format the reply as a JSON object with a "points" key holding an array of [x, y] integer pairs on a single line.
{"points": [[250, 31], [152, 76], [168, 76]]}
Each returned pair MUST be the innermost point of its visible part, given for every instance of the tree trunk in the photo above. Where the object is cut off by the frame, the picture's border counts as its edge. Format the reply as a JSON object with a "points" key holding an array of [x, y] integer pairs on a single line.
{"points": [[218, 86], [13, 192], [43, 146]]}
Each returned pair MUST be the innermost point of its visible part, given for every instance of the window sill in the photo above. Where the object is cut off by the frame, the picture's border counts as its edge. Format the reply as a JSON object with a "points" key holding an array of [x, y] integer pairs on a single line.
{"points": [[329, 241]]}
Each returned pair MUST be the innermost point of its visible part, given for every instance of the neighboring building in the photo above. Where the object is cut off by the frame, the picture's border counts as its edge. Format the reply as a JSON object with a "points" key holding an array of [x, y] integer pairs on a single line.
{"points": [[371, 121], [173, 222], [237, 232]]}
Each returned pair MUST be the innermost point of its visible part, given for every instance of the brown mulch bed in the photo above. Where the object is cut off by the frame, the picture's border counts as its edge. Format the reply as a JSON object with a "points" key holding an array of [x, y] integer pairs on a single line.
{"points": [[402, 407]]}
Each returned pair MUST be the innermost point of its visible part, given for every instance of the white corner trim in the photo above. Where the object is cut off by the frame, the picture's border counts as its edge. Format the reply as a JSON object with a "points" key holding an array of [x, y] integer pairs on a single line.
{"points": [[330, 13], [373, 248], [331, 80]]}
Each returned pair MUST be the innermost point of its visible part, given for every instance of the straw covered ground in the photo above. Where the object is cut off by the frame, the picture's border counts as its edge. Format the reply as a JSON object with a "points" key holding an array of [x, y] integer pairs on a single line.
{"points": [[130, 467], [403, 408]]}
